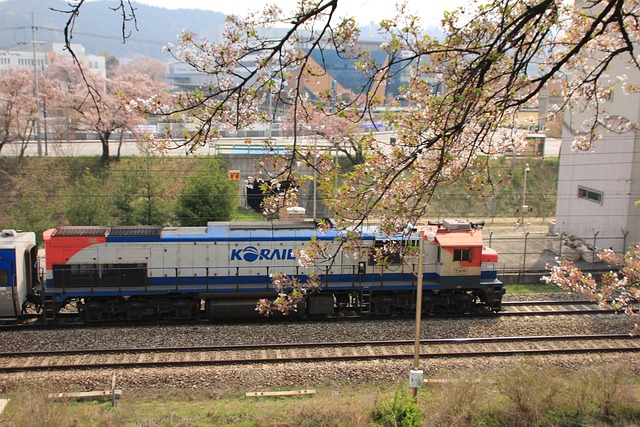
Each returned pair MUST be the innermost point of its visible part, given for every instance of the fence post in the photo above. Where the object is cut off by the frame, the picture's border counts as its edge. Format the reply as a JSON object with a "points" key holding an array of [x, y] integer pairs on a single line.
{"points": [[593, 257], [524, 256], [113, 389], [560, 245], [624, 241]]}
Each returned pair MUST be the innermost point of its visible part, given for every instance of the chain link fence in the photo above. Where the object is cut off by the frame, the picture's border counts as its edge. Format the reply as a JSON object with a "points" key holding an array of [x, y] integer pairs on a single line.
{"points": [[524, 256]]}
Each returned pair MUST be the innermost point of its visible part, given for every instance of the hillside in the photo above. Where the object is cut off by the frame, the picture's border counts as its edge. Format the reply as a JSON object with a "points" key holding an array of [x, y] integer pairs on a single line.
{"points": [[99, 28]]}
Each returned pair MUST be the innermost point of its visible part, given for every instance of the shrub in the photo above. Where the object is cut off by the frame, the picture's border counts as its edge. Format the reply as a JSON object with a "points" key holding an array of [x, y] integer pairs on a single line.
{"points": [[528, 398], [402, 411], [604, 390]]}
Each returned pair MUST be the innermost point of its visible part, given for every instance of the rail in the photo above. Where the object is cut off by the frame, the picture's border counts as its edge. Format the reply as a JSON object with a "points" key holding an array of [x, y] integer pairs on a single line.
{"points": [[314, 352]]}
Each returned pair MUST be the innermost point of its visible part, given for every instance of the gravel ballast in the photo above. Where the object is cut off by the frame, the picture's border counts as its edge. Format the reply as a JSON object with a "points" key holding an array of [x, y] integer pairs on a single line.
{"points": [[263, 376]]}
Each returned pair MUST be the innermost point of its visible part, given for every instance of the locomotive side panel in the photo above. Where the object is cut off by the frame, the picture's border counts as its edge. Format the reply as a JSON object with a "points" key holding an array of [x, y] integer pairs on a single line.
{"points": [[201, 262], [129, 267], [170, 255], [217, 261]]}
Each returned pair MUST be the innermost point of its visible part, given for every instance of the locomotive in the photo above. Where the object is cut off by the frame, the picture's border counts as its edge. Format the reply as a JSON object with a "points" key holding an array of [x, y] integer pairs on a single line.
{"points": [[220, 271]]}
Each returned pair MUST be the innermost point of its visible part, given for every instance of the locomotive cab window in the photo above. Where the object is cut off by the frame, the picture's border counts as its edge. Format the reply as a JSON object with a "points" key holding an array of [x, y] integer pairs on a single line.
{"points": [[462, 255]]}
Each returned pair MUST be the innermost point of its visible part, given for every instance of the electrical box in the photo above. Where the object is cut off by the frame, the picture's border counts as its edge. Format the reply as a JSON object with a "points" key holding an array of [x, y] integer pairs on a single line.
{"points": [[416, 378]]}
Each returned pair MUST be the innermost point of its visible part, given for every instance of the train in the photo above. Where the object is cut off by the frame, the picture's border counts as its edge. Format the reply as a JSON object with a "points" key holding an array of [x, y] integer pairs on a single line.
{"points": [[220, 271]]}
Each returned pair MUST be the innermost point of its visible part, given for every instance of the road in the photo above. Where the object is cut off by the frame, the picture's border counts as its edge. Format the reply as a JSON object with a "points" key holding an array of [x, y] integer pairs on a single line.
{"points": [[223, 146]]}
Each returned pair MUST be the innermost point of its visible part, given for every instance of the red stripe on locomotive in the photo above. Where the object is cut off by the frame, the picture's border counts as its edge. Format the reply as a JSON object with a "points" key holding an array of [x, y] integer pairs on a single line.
{"points": [[60, 249]]}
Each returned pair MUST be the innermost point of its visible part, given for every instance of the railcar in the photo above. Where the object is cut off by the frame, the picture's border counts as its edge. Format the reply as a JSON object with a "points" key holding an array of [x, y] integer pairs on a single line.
{"points": [[18, 275], [221, 270]]}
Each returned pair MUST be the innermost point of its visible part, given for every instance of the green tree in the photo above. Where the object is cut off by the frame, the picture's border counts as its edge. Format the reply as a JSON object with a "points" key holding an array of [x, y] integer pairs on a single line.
{"points": [[208, 196], [141, 195], [87, 203]]}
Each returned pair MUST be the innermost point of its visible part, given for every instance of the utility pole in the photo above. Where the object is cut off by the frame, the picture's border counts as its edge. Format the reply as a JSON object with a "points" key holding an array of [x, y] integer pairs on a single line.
{"points": [[35, 85], [416, 374]]}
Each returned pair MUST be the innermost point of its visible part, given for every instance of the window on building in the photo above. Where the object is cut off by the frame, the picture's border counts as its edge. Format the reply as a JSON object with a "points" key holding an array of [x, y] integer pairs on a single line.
{"points": [[588, 194], [463, 255]]}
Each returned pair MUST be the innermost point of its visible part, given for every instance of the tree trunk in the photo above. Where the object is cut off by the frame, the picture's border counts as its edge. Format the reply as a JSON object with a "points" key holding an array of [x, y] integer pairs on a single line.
{"points": [[104, 139], [120, 146]]}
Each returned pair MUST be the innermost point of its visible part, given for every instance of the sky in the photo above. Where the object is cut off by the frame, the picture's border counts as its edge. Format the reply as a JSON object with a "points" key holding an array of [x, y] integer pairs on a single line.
{"points": [[365, 11]]}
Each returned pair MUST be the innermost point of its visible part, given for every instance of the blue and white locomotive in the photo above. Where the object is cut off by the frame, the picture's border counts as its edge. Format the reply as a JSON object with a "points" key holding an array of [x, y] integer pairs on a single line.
{"points": [[220, 271]]}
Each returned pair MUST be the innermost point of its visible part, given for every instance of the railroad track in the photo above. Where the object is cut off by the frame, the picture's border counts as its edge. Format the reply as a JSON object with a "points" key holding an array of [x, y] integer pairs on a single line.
{"points": [[313, 352], [510, 308], [551, 308]]}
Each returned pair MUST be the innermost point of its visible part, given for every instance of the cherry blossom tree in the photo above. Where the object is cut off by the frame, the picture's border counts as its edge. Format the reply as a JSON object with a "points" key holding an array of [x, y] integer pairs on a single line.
{"points": [[496, 57], [156, 70], [106, 106], [17, 108], [335, 133], [619, 290]]}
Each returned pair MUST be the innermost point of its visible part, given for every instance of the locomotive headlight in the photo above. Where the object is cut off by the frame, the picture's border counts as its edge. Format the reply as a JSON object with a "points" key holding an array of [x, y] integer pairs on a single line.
{"points": [[431, 236]]}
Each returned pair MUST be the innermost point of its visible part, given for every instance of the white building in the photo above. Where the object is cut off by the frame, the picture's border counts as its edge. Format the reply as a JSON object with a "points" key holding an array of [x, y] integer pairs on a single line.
{"points": [[96, 63], [24, 59], [21, 59], [187, 78], [597, 190]]}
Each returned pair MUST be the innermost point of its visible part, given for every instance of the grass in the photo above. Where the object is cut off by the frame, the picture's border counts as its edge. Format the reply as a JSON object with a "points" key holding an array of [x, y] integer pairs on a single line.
{"points": [[185, 408], [532, 289], [515, 395], [248, 215]]}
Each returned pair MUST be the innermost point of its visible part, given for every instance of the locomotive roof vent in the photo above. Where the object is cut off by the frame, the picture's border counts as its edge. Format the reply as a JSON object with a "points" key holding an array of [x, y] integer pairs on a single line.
{"points": [[80, 231], [271, 225], [456, 224], [135, 230]]}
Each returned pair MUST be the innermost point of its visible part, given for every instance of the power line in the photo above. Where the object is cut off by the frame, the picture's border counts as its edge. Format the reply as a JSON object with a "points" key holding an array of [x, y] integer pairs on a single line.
{"points": [[81, 33]]}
